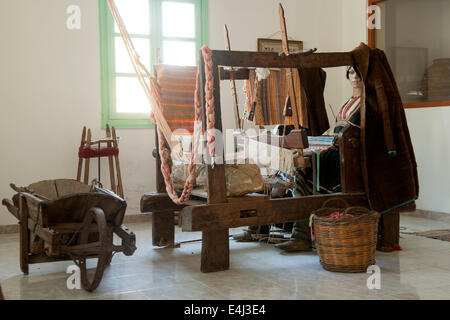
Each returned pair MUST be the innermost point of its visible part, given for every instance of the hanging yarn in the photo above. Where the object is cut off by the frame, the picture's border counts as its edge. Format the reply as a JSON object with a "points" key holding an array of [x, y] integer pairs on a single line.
{"points": [[209, 99], [338, 215]]}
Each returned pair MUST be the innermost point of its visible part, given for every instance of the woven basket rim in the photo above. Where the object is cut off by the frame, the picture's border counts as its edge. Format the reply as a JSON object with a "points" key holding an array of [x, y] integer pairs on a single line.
{"points": [[356, 216]]}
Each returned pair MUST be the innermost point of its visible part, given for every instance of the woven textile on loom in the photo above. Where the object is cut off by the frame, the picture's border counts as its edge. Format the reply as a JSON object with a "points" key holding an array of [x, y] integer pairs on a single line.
{"points": [[272, 93], [176, 87]]}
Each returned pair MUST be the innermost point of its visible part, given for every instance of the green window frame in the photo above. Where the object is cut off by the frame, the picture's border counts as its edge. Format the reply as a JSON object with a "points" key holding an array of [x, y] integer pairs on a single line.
{"points": [[155, 37]]}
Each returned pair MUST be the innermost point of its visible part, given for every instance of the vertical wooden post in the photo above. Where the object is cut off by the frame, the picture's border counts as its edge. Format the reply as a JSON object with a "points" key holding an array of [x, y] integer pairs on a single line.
{"points": [[24, 235], [160, 184], [233, 84], [163, 223], [80, 160], [116, 158], [350, 160], [2, 297], [87, 160], [111, 162], [314, 169], [289, 72], [390, 230], [215, 244], [163, 228]]}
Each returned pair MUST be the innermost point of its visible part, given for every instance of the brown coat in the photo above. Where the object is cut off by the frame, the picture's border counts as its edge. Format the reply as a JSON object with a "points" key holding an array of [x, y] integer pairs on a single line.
{"points": [[387, 156], [313, 81]]}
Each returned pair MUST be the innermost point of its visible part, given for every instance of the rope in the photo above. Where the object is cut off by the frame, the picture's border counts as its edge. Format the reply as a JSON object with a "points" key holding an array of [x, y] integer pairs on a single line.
{"points": [[209, 97], [163, 129]]}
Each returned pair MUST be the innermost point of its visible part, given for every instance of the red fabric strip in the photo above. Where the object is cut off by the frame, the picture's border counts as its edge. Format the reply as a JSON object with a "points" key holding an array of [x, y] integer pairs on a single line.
{"points": [[95, 152]]}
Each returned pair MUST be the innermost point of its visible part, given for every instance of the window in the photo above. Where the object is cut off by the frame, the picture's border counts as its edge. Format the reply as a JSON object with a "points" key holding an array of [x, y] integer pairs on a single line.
{"points": [[163, 31], [415, 38]]}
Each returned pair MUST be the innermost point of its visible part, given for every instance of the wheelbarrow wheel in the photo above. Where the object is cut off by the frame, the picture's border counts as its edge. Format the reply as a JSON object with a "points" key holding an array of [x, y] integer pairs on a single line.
{"points": [[102, 247]]}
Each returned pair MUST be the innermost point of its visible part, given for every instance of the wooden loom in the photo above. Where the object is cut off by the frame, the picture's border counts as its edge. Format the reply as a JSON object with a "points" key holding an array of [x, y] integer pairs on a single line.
{"points": [[216, 214]]}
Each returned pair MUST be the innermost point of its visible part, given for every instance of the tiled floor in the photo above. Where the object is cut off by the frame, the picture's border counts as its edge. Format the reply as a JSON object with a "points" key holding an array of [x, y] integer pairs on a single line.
{"points": [[258, 271]]}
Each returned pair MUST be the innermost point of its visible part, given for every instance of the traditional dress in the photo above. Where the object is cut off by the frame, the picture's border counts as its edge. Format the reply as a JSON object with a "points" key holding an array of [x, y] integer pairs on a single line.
{"points": [[329, 174], [349, 114]]}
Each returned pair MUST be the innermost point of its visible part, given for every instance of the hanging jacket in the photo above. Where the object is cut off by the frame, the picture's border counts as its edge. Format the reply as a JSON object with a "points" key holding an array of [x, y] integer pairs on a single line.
{"points": [[313, 81], [388, 162]]}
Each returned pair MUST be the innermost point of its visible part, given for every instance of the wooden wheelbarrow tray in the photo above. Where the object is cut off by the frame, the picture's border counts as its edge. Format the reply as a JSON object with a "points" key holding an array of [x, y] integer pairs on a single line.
{"points": [[64, 220]]}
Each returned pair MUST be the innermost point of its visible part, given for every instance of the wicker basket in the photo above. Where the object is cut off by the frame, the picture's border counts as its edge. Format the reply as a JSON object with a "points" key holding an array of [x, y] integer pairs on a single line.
{"points": [[346, 244]]}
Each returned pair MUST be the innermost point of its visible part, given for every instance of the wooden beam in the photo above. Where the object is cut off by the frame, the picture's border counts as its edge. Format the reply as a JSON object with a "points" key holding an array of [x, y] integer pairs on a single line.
{"points": [[158, 202], [11, 208], [163, 228], [296, 139], [215, 254], [350, 160], [296, 116], [24, 235], [237, 74], [233, 215], [80, 160], [216, 183], [249, 59], [160, 184], [233, 84], [110, 161]]}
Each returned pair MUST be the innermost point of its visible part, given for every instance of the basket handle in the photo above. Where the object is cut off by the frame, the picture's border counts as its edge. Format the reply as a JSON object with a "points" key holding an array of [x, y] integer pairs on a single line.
{"points": [[350, 208], [324, 205]]}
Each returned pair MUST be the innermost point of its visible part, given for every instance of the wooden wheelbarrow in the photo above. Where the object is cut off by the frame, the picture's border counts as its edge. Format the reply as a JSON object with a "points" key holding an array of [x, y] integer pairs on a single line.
{"points": [[67, 220]]}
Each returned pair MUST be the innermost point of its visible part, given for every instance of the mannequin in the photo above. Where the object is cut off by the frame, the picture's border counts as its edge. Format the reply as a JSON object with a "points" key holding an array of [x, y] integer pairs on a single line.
{"points": [[329, 159], [349, 114]]}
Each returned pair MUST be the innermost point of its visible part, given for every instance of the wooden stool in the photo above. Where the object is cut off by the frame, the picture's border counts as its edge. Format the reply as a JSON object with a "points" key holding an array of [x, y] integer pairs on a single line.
{"points": [[86, 152]]}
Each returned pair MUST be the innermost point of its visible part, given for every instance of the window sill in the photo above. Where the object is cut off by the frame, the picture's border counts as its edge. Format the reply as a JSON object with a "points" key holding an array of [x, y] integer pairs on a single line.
{"points": [[444, 103]]}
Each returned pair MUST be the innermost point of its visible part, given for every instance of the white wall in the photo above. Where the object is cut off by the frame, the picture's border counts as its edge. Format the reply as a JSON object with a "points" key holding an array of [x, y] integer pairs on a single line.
{"points": [[353, 32], [429, 133], [428, 126], [50, 89]]}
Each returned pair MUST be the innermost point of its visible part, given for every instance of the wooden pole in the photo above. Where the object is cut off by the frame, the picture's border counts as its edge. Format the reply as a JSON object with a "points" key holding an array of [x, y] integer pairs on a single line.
{"points": [[87, 160], [80, 160], [289, 71], [215, 254], [116, 157], [111, 162], [24, 235]]}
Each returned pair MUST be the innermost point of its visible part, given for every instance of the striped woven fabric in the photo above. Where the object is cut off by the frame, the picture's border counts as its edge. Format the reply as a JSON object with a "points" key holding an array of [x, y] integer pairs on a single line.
{"points": [[176, 86], [272, 94]]}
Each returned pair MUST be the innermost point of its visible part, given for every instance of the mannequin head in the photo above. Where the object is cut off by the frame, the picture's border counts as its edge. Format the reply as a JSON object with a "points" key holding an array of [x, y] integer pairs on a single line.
{"points": [[354, 76]]}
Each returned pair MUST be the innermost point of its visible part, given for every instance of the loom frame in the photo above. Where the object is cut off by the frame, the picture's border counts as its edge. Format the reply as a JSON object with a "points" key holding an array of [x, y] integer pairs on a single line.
{"points": [[218, 214]]}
